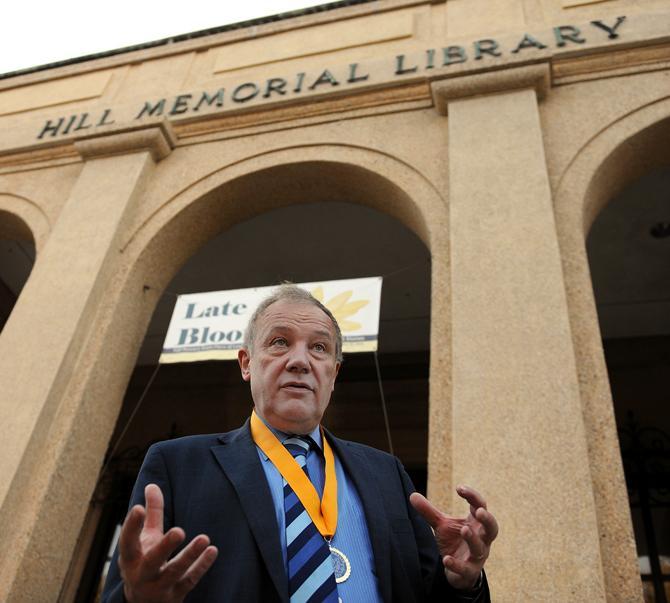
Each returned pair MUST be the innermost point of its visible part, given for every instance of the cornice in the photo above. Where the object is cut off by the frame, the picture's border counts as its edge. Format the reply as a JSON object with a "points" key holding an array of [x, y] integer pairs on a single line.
{"points": [[158, 139], [536, 77], [378, 85]]}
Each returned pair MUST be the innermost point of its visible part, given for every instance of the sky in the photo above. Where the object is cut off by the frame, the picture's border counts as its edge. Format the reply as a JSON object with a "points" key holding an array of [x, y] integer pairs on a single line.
{"points": [[36, 33]]}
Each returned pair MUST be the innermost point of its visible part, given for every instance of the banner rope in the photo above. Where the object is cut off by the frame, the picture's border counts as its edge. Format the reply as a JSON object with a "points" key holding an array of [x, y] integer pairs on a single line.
{"points": [[130, 418], [384, 409]]}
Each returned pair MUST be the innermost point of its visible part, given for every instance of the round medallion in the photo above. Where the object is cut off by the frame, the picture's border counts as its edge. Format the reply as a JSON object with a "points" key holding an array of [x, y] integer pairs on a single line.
{"points": [[341, 564]]}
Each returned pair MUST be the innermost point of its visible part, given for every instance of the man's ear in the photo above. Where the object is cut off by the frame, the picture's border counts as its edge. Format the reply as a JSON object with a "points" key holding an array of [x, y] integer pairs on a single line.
{"points": [[244, 359], [337, 370]]}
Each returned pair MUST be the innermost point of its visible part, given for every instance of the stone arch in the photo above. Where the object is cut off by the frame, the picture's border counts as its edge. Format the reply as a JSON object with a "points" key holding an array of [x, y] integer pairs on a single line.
{"points": [[327, 172], [630, 146], [203, 209], [80, 432], [22, 219], [21, 222]]}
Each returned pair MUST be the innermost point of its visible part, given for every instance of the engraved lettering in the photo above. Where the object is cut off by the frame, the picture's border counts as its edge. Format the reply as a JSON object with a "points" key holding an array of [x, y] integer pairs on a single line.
{"points": [[488, 46], [400, 68], [208, 100], [611, 31], [51, 128], [275, 84], [528, 41], [156, 109]]}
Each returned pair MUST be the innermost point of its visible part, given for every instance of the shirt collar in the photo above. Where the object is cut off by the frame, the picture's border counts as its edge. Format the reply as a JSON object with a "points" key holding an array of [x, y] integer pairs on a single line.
{"points": [[281, 436]]}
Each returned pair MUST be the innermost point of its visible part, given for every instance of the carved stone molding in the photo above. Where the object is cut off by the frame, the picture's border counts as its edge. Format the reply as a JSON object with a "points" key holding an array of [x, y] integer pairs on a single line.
{"points": [[536, 76], [156, 138]]}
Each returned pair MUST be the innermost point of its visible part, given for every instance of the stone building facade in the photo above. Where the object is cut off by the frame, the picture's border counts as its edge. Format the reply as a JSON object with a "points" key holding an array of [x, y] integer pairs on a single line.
{"points": [[493, 132]]}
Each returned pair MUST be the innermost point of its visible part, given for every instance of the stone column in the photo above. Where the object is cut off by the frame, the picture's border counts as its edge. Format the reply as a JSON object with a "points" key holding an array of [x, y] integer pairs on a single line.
{"points": [[41, 351], [517, 429]]}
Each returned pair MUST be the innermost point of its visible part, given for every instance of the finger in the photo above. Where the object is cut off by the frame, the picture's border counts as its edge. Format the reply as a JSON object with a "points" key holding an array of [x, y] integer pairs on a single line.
{"points": [[178, 566], [475, 499], [129, 539], [197, 571], [489, 524], [478, 550], [426, 509], [154, 500], [160, 552], [467, 570]]}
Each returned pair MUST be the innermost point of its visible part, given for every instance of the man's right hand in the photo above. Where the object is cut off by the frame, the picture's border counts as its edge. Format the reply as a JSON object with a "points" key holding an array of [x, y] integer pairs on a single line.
{"points": [[148, 574]]}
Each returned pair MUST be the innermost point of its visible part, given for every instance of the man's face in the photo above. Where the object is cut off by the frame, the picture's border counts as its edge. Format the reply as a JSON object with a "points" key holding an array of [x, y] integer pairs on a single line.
{"points": [[293, 365]]}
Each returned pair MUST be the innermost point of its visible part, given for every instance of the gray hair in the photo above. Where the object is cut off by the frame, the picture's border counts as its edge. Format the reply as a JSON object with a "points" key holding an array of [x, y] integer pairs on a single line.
{"points": [[290, 292]]}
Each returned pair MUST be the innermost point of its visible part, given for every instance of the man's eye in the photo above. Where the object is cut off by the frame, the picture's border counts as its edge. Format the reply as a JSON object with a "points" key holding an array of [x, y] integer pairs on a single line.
{"points": [[279, 341], [319, 347]]}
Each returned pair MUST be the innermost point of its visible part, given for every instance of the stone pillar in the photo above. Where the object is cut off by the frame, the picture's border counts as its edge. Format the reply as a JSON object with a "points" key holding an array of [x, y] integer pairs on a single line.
{"points": [[41, 351], [517, 430]]}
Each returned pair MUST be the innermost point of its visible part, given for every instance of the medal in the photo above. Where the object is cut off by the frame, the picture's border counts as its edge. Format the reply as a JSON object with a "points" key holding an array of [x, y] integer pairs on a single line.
{"points": [[341, 565], [322, 512]]}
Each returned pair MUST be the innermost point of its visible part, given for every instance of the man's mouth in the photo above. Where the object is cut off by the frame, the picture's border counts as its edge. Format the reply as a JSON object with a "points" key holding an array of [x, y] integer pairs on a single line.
{"points": [[297, 385]]}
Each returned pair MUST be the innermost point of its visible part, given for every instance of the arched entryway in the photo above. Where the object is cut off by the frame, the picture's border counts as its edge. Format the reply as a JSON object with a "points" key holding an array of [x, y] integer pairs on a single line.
{"points": [[629, 256], [17, 256], [606, 195], [335, 224], [22, 228]]}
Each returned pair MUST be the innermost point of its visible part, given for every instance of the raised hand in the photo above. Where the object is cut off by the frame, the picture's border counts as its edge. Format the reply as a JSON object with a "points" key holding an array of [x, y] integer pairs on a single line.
{"points": [[463, 542], [149, 576]]}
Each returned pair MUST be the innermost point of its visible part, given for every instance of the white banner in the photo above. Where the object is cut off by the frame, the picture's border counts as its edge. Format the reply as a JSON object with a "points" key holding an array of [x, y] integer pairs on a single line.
{"points": [[210, 326]]}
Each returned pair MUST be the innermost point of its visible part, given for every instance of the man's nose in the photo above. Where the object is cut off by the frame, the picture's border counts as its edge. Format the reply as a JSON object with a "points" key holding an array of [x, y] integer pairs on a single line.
{"points": [[298, 359]]}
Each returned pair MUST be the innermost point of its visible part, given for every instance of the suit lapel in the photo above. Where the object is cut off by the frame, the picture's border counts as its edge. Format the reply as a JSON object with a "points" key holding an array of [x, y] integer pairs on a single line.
{"points": [[239, 460], [357, 467]]}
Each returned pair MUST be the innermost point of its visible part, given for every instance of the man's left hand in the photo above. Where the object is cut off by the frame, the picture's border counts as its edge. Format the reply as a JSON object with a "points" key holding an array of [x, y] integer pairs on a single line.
{"points": [[464, 542]]}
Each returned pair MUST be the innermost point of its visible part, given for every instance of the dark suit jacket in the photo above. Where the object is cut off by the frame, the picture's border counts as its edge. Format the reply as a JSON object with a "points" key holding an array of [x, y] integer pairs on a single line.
{"points": [[215, 485]]}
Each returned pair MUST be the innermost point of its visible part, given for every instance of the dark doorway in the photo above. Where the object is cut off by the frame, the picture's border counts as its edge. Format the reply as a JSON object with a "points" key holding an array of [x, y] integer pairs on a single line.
{"points": [[629, 256]]}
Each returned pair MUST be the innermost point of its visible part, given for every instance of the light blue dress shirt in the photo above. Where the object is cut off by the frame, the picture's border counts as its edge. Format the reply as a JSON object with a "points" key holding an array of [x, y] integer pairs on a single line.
{"points": [[351, 537]]}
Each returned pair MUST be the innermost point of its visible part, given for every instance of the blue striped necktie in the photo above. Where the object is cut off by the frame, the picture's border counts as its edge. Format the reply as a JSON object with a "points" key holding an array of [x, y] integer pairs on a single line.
{"points": [[311, 578]]}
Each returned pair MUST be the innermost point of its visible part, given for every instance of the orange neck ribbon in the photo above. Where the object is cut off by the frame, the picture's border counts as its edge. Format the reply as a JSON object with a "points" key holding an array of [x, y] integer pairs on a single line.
{"points": [[323, 512]]}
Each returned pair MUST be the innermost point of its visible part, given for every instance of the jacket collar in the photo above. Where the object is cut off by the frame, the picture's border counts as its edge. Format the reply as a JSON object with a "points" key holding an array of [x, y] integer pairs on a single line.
{"points": [[239, 460]]}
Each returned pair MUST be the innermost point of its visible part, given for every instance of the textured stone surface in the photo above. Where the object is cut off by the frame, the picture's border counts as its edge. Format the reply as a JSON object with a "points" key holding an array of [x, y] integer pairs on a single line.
{"points": [[501, 190], [41, 349], [515, 388]]}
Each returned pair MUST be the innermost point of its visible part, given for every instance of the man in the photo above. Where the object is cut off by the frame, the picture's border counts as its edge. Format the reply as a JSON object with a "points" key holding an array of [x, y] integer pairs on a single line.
{"points": [[292, 513]]}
